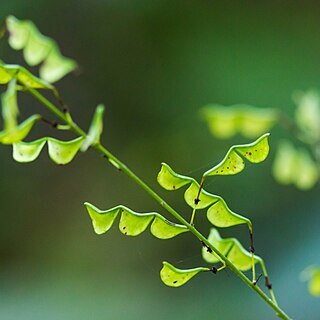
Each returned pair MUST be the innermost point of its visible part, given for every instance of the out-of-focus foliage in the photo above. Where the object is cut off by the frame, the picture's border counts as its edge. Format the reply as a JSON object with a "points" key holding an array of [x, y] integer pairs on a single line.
{"points": [[307, 115], [37, 48], [251, 122], [291, 165], [312, 275], [294, 166]]}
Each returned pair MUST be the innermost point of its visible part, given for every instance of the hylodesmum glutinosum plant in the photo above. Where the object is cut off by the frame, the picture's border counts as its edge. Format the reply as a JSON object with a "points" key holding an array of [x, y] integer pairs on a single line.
{"points": [[229, 253]]}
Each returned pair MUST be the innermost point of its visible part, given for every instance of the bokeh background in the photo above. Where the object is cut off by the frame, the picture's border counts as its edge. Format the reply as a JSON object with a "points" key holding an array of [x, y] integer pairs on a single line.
{"points": [[154, 64]]}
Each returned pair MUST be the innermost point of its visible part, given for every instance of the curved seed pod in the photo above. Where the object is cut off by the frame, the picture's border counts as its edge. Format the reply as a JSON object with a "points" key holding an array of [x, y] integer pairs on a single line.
{"points": [[221, 216], [56, 66], [218, 214], [96, 127], [12, 71], [20, 132], [10, 110], [204, 200], [19, 32], [38, 48], [102, 220], [232, 249], [133, 223], [62, 152], [231, 164], [162, 228], [240, 257], [257, 151], [5, 75], [174, 277], [222, 245], [254, 152], [29, 80], [28, 151], [170, 180]]}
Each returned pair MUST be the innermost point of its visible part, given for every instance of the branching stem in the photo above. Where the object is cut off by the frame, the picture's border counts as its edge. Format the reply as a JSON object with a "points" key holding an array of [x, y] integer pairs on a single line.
{"points": [[114, 160]]}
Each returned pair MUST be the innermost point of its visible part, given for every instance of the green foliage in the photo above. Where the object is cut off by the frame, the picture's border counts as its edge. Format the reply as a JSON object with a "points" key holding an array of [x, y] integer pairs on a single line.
{"points": [[133, 223], [174, 277], [307, 115], [37, 48], [298, 166], [291, 165], [294, 166], [218, 214], [312, 275], [251, 122]]}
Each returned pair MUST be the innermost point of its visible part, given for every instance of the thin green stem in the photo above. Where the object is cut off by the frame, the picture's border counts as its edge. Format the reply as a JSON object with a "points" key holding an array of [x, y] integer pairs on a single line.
{"points": [[253, 269], [196, 201], [267, 283], [221, 268], [121, 166], [192, 216]]}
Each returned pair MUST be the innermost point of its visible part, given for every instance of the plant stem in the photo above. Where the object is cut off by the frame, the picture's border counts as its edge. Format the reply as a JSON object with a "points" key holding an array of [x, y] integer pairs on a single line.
{"points": [[121, 166], [192, 216]]}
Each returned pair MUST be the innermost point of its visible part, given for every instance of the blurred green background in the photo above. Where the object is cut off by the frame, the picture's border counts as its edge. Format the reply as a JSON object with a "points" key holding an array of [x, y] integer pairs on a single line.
{"points": [[154, 64]]}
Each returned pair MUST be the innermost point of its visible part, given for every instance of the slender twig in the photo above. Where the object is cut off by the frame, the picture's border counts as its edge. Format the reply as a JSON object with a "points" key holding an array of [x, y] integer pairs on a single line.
{"points": [[115, 161], [196, 201]]}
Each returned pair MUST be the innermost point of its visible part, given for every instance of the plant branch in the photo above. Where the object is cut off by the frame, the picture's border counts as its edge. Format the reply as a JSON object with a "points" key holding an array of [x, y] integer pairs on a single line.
{"points": [[121, 166]]}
